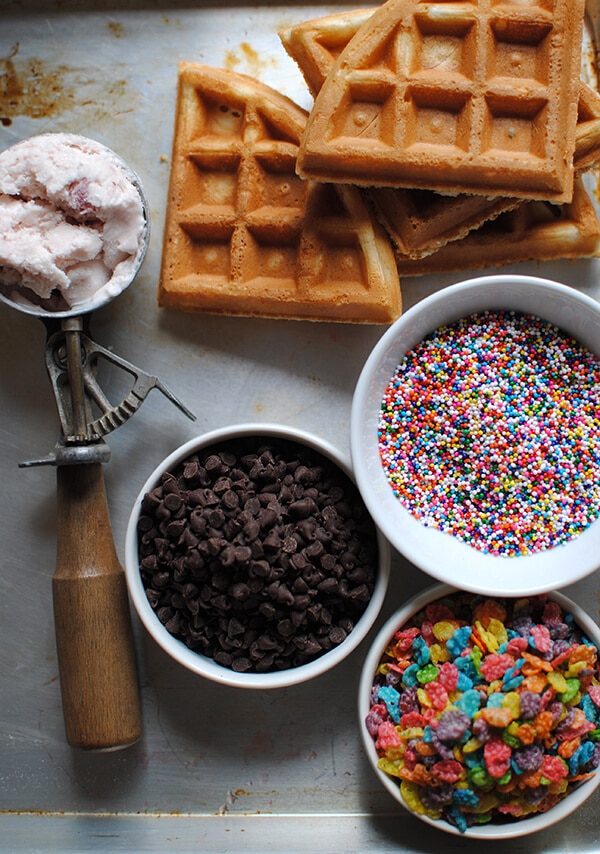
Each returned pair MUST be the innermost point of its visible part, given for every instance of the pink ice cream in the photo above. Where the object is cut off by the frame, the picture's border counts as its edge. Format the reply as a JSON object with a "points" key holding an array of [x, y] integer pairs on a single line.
{"points": [[73, 228]]}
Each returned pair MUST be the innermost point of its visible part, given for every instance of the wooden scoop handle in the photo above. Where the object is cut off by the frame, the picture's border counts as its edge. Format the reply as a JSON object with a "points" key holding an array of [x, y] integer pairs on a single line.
{"points": [[94, 636]]}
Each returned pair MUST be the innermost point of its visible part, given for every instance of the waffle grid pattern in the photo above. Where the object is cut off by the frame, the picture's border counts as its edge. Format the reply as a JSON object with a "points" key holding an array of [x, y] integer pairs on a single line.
{"points": [[460, 93], [244, 234]]}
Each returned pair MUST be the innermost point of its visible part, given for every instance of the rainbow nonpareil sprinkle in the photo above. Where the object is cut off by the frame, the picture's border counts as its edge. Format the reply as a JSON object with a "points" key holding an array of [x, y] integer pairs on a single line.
{"points": [[490, 431]]}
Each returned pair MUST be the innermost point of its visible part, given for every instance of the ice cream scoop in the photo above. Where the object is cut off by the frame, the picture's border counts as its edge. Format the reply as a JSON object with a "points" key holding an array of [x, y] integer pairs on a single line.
{"points": [[74, 229]]}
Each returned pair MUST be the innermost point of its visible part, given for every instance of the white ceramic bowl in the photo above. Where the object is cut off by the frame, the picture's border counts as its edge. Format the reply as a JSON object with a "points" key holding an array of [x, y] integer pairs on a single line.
{"points": [[204, 665], [489, 831], [442, 555]]}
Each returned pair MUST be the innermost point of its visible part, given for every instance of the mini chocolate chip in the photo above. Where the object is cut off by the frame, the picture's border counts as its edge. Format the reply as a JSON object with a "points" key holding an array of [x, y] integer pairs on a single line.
{"points": [[215, 545], [239, 591], [144, 524], [337, 635], [202, 498], [169, 484], [328, 561], [173, 502], [328, 585], [285, 628], [153, 597], [314, 550], [230, 500], [259, 568], [164, 614], [322, 535], [175, 529], [301, 601], [300, 586], [284, 595], [272, 542], [289, 545], [243, 555], [251, 530], [198, 522], [267, 609]]}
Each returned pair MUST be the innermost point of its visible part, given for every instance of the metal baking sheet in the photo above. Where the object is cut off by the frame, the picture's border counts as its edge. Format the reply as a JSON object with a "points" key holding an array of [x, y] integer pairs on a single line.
{"points": [[217, 769]]}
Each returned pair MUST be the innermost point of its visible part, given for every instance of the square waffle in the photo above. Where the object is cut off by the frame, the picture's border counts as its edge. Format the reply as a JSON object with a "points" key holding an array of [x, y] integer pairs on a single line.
{"points": [[535, 231], [244, 235], [458, 97], [421, 221]]}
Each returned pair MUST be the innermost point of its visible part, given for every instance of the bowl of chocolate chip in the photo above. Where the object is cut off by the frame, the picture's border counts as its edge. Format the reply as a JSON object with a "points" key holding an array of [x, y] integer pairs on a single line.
{"points": [[251, 558]]}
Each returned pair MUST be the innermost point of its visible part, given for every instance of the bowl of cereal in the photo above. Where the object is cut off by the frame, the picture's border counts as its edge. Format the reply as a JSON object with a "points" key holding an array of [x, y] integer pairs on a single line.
{"points": [[251, 558], [475, 435], [481, 714]]}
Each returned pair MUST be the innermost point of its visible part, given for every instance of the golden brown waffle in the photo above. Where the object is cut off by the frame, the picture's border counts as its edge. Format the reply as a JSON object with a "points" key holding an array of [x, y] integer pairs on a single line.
{"points": [[535, 231], [315, 45], [421, 221], [244, 235], [455, 97]]}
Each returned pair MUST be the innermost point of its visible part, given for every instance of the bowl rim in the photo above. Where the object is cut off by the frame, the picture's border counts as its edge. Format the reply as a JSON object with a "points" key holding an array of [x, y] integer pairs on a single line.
{"points": [[200, 664], [420, 545], [521, 827]]}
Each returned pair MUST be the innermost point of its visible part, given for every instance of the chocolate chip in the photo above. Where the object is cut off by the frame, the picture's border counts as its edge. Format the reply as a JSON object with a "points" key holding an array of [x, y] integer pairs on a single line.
{"points": [[244, 547]]}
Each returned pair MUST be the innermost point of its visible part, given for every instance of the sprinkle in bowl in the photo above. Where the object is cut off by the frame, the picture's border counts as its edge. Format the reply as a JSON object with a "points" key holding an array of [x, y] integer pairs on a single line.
{"points": [[480, 715], [251, 558], [492, 448]]}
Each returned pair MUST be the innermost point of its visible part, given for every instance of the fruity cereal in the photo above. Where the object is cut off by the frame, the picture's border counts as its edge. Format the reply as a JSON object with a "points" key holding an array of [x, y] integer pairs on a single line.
{"points": [[487, 709]]}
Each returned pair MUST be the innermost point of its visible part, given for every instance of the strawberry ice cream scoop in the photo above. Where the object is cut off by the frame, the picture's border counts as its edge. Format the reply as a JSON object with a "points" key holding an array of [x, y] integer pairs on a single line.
{"points": [[73, 223]]}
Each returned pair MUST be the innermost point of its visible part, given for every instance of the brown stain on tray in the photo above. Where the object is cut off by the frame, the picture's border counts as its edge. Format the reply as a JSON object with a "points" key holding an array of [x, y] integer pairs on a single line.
{"points": [[247, 60], [38, 89], [30, 88]]}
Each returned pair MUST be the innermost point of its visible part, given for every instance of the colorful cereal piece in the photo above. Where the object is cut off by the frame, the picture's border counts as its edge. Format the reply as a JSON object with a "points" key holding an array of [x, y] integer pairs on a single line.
{"points": [[497, 717], [487, 610], [427, 674], [497, 756], [448, 771], [445, 629], [553, 769], [391, 698], [437, 694], [448, 677], [500, 727], [388, 738], [469, 702], [410, 795], [459, 640], [540, 638], [494, 666]]}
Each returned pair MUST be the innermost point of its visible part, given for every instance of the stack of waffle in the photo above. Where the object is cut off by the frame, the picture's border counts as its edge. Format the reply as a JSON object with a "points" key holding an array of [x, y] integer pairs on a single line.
{"points": [[486, 101], [443, 136]]}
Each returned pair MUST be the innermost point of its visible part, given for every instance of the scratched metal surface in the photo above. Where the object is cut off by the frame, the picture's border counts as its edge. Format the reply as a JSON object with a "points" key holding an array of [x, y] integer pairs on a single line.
{"points": [[216, 769]]}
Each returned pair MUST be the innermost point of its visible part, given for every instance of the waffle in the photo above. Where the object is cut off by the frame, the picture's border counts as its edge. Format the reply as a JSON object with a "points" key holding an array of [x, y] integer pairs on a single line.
{"points": [[535, 231], [244, 235], [315, 45], [421, 221], [458, 97]]}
